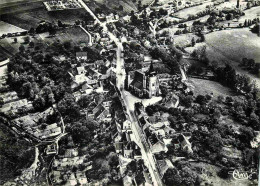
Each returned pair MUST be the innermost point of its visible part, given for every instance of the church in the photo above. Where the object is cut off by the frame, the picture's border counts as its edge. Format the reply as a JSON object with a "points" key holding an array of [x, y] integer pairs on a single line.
{"points": [[143, 84]]}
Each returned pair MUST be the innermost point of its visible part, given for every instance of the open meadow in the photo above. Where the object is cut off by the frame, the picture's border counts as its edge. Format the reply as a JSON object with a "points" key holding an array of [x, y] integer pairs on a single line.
{"points": [[203, 87], [184, 14], [230, 46], [32, 18], [73, 34]]}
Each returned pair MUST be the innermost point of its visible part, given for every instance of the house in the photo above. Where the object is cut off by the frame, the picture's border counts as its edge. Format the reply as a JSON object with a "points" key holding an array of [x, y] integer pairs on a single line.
{"points": [[101, 113], [185, 144], [127, 126], [132, 150], [156, 144], [15, 106], [119, 147], [144, 84], [164, 165], [93, 74], [81, 70], [70, 153], [81, 56], [9, 97], [123, 162], [51, 149], [171, 100]]}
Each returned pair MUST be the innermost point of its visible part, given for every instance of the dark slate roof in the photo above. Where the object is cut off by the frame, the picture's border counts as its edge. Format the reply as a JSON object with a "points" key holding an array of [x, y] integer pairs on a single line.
{"points": [[137, 84]]}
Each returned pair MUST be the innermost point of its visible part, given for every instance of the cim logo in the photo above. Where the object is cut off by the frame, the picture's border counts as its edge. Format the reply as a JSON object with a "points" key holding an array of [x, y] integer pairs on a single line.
{"points": [[242, 175]]}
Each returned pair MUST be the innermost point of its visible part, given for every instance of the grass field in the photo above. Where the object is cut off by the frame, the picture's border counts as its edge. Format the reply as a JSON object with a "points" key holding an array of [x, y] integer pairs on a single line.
{"points": [[12, 48], [230, 46], [74, 34], [31, 18], [203, 87], [8, 43], [184, 14], [8, 28], [235, 44]]}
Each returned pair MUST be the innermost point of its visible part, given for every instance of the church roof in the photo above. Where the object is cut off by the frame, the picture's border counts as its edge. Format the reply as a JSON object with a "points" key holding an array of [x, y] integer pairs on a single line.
{"points": [[137, 84]]}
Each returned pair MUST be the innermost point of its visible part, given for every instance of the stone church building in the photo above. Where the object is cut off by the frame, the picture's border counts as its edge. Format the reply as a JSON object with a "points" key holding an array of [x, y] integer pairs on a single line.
{"points": [[143, 84]]}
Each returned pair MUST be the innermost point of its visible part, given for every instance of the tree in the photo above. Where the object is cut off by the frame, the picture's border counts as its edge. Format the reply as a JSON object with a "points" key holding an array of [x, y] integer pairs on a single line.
{"points": [[67, 45], [202, 37], [193, 42], [26, 39], [172, 177], [201, 99], [82, 131], [60, 24], [245, 23], [31, 31], [164, 91], [186, 100], [1, 102], [214, 141], [121, 8], [68, 107], [39, 103], [21, 48], [31, 44], [52, 31]]}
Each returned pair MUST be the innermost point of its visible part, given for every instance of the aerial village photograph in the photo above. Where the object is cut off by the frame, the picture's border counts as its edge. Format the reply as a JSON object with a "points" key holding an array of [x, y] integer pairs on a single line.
{"points": [[129, 92]]}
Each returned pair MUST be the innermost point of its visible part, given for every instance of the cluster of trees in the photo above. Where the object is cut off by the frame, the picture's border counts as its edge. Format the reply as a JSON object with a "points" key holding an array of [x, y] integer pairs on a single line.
{"points": [[170, 58], [250, 22], [239, 83], [252, 4], [45, 27], [255, 29], [32, 75], [250, 65], [182, 174], [15, 154]]}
